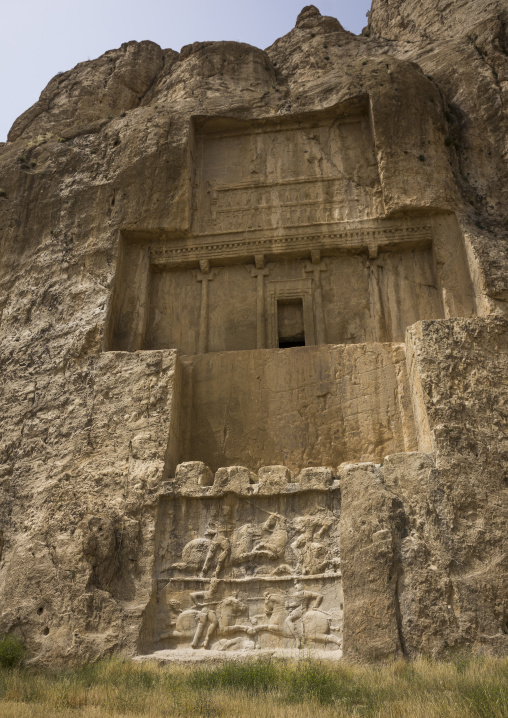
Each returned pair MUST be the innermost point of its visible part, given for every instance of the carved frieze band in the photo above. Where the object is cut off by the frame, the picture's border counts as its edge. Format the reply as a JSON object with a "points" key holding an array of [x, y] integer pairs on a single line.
{"points": [[247, 244], [302, 201]]}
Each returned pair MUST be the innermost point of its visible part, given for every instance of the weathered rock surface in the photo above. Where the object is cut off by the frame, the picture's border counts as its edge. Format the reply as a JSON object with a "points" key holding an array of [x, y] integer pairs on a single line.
{"points": [[202, 210], [462, 47]]}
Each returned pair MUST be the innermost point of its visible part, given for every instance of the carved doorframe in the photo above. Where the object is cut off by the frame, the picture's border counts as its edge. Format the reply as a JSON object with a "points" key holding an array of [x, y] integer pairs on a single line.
{"points": [[290, 289]]}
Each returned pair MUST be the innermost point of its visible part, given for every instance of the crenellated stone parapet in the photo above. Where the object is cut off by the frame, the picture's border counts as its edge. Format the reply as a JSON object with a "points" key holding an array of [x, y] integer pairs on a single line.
{"points": [[194, 478]]}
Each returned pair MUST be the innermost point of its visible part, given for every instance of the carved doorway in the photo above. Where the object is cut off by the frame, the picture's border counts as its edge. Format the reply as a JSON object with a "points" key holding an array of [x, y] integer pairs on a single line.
{"points": [[289, 302], [290, 324]]}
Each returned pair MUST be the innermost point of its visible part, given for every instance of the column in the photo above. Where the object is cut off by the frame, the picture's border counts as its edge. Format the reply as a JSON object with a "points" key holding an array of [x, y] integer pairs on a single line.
{"points": [[316, 267], [204, 276], [260, 273], [379, 333]]}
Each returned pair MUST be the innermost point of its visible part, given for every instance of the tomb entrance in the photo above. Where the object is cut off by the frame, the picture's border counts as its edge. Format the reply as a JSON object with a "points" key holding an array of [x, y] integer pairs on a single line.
{"points": [[290, 324], [283, 210], [289, 249]]}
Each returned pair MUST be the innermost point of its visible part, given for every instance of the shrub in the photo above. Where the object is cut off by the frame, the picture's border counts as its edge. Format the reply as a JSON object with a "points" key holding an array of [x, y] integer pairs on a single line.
{"points": [[12, 651], [3, 193]]}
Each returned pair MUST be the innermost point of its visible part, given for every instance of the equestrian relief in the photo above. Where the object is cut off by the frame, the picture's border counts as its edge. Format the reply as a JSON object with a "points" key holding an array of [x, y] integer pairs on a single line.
{"points": [[246, 573]]}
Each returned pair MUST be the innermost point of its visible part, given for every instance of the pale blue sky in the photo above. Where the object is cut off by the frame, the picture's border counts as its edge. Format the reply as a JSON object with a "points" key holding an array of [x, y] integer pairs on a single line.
{"points": [[42, 37]]}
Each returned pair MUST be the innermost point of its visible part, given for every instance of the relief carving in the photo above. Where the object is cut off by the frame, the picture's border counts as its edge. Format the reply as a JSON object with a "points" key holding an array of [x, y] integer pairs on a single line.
{"points": [[254, 577], [324, 174]]}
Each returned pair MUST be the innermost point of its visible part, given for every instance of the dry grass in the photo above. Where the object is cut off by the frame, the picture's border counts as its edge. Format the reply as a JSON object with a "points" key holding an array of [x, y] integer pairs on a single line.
{"points": [[38, 140], [466, 688]]}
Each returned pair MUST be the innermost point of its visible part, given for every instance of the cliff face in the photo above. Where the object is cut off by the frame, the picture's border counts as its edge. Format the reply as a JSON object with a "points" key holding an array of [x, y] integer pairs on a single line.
{"points": [[104, 178], [463, 48]]}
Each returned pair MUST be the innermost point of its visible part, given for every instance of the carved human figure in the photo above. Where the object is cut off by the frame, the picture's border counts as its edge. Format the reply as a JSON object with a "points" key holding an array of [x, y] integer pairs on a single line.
{"points": [[305, 620], [203, 600], [274, 538], [194, 552], [218, 551], [298, 604], [313, 556], [251, 541], [217, 616]]}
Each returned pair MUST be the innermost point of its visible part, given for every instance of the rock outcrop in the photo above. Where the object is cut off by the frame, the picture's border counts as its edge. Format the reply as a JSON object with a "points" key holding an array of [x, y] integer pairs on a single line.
{"points": [[258, 300]]}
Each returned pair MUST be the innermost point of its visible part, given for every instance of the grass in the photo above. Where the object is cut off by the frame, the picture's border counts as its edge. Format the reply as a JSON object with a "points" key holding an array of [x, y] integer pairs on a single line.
{"points": [[39, 140], [466, 688]]}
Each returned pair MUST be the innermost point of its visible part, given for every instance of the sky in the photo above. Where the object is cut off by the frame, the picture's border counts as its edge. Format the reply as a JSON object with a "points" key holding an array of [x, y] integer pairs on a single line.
{"points": [[42, 37]]}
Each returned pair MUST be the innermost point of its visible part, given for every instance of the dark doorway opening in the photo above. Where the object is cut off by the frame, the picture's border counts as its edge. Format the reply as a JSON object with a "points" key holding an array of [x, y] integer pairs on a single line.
{"points": [[291, 332]]}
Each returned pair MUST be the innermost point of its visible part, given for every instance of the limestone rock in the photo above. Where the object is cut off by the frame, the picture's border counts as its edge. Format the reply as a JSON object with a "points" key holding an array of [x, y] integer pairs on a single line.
{"points": [[234, 478], [471, 38], [263, 262], [370, 515], [273, 478], [311, 19], [318, 477], [193, 474]]}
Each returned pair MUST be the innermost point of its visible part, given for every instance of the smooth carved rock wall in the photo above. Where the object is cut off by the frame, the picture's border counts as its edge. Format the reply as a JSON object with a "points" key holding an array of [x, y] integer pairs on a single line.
{"points": [[300, 193], [361, 300], [370, 284], [303, 209], [310, 406]]}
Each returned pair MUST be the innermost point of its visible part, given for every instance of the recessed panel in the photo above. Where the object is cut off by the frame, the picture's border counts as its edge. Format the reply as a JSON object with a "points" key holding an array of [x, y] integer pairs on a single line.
{"points": [[249, 572], [274, 174]]}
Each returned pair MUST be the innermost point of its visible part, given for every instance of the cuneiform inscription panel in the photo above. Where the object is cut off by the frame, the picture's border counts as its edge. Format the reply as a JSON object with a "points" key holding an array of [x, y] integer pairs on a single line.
{"points": [[240, 573]]}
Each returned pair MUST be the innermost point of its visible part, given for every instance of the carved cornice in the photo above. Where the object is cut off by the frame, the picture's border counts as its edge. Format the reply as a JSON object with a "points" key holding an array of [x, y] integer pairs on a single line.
{"points": [[328, 238]]}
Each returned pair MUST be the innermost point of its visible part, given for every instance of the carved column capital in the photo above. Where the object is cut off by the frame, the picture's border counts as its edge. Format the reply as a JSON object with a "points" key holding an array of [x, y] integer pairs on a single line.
{"points": [[259, 260], [204, 265]]}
